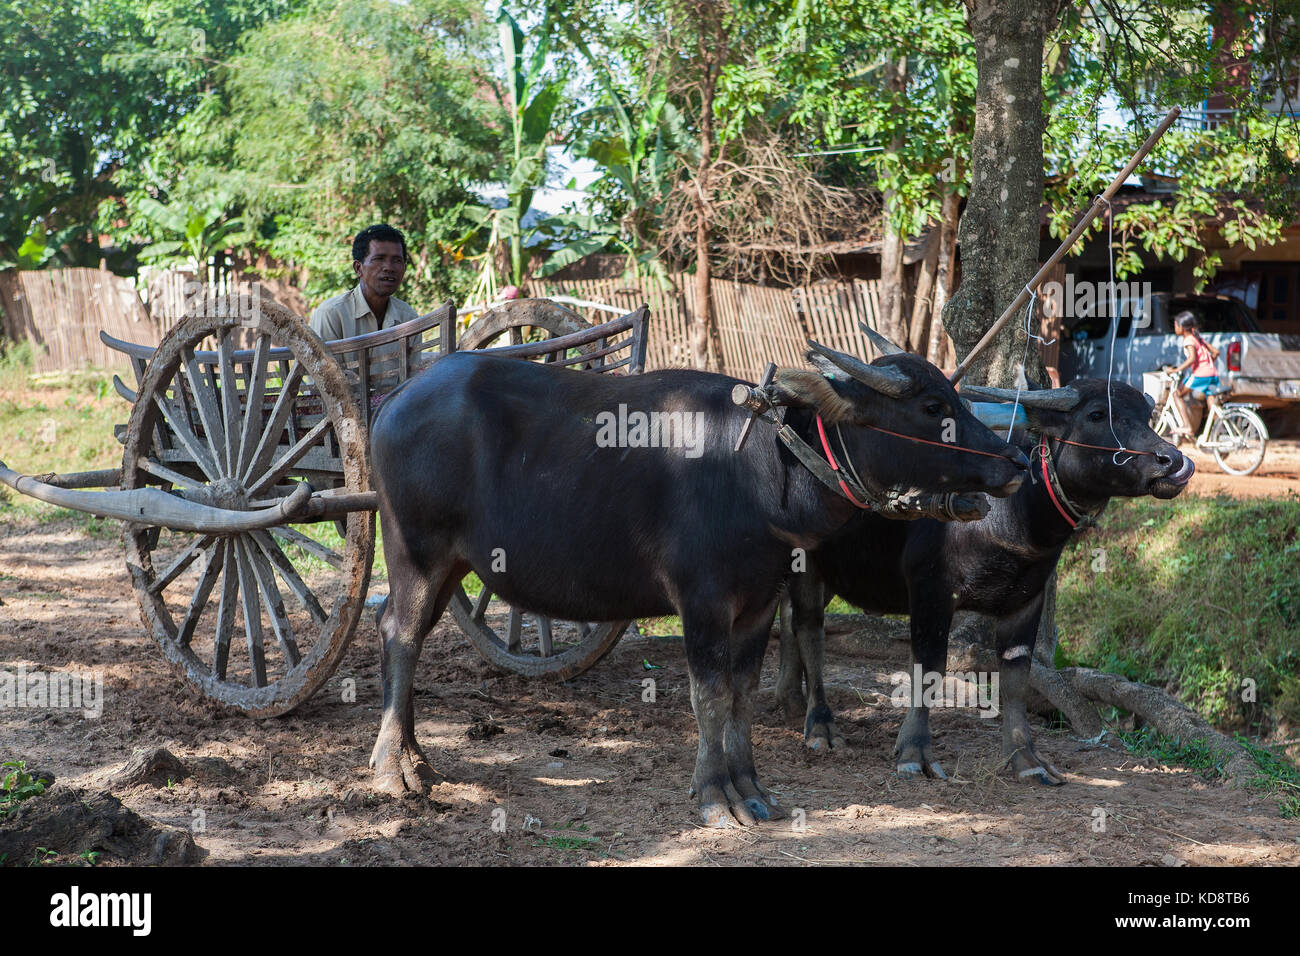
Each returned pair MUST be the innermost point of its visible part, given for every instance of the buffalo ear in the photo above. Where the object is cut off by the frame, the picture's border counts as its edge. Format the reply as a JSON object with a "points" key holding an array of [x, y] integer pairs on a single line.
{"points": [[1047, 421], [812, 390]]}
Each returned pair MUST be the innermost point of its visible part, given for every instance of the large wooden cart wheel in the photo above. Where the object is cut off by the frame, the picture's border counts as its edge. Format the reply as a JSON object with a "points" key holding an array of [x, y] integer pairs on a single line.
{"points": [[255, 620], [510, 639]]}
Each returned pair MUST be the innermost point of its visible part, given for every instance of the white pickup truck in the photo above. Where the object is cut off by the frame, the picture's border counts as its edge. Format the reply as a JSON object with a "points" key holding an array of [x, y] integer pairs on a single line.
{"points": [[1260, 367]]}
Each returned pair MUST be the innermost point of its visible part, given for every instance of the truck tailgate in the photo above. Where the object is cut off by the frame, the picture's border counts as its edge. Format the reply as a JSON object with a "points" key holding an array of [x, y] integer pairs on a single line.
{"points": [[1268, 356]]}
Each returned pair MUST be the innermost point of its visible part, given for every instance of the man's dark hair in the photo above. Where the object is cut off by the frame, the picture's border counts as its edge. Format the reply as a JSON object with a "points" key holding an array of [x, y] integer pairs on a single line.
{"points": [[380, 233]]}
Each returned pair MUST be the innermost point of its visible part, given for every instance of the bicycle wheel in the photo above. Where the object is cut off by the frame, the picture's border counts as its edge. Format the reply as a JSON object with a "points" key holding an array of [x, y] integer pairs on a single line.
{"points": [[1239, 439]]}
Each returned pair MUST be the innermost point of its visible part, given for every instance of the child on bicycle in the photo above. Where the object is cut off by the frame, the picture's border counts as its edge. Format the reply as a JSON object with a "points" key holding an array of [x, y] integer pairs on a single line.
{"points": [[1203, 378]]}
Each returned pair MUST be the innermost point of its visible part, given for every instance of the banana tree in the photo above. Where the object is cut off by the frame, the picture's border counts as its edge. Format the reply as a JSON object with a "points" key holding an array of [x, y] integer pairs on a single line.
{"points": [[194, 234], [640, 155], [534, 100]]}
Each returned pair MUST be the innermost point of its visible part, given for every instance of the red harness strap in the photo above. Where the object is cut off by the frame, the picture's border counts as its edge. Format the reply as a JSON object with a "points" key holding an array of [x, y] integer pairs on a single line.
{"points": [[1043, 454], [835, 466]]}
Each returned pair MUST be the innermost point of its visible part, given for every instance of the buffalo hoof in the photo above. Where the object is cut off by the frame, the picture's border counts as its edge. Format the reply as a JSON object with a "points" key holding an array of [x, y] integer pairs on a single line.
{"points": [[916, 758], [1029, 767], [404, 771], [819, 731], [793, 704], [910, 770], [724, 806]]}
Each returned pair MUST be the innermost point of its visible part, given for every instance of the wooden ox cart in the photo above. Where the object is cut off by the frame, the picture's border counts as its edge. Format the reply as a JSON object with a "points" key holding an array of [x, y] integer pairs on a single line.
{"points": [[245, 488]]}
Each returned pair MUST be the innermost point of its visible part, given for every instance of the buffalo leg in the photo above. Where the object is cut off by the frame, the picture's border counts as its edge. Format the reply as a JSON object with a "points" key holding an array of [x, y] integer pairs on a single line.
{"points": [[808, 601], [1015, 642], [413, 606], [790, 698], [748, 643], [708, 661], [914, 749]]}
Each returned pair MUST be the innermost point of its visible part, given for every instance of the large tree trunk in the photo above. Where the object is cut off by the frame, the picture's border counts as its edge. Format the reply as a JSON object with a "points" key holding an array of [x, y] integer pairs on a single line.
{"points": [[1000, 228], [891, 253]]}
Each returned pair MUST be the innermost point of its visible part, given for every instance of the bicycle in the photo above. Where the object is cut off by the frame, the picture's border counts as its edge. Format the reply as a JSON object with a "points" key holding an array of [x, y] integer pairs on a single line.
{"points": [[1233, 431]]}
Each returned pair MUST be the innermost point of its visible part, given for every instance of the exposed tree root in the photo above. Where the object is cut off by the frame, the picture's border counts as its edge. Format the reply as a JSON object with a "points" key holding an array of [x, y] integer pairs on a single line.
{"points": [[1168, 715]]}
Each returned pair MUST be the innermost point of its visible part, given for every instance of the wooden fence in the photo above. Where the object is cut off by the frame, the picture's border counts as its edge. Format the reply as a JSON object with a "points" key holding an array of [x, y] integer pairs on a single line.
{"points": [[60, 311], [755, 324]]}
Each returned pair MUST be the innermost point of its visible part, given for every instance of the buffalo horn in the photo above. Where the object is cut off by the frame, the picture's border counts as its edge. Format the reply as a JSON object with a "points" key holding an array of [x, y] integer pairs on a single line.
{"points": [[1053, 399], [882, 344], [887, 381]]}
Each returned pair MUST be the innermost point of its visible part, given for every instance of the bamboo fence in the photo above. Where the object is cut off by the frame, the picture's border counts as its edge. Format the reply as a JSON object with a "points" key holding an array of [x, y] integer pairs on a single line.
{"points": [[755, 324], [61, 311]]}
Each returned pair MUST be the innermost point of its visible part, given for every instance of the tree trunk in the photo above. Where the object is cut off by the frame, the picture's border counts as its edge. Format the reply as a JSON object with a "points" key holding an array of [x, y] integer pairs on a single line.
{"points": [[918, 337], [944, 275], [891, 253], [1000, 228], [711, 52]]}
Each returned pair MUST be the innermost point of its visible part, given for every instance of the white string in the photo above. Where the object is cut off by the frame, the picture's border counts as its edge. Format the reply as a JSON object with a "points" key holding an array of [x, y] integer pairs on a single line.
{"points": [[1114, 327], [1029, 312]]}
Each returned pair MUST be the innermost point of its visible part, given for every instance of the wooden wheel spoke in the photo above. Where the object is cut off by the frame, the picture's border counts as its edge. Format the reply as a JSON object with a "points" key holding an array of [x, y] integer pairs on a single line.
{"points": [[280, 561], [252, 613], [482, 602], [252, 426], [274, 605], [199, 599], [181, 563], [159, 470], [516, 629], [270, 439], [289, 458], [544, 635], [226, 613], [191, 441], [231, 426], [310, 545], [207, 403]]}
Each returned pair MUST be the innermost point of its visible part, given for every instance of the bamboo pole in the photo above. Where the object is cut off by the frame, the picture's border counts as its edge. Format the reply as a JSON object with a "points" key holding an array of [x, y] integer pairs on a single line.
{"points": [[1098, 204]]}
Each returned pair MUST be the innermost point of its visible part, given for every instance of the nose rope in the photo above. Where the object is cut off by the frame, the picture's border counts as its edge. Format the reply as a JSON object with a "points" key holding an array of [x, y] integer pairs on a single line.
{"points": [[1128, 451], [835, 465], [951, 446]]}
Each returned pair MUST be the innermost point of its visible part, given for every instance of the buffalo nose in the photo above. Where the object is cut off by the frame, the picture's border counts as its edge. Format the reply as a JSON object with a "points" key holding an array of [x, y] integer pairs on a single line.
{"points": [[1019, 459], [1165, 458]]}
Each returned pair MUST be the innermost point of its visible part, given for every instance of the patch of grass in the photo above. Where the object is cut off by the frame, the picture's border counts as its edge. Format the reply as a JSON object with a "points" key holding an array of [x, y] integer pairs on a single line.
{"points": [[1195, 754], [567, 843], [1199, 594], [670, 626], [55, 423], [16, 786], [1277, 777]]}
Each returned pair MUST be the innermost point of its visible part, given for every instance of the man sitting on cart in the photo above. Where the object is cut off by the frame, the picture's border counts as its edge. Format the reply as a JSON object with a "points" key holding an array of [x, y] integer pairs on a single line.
{"points": [[379, 261]]}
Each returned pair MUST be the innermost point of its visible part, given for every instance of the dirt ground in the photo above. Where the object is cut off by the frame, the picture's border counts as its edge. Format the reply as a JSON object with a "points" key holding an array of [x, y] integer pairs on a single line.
{"points": [[586, 772], [1278, 475]]}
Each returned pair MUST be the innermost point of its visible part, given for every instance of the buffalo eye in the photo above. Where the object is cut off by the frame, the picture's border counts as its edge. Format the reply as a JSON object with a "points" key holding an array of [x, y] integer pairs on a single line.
{"points": [[934, 409], [1096, 415]]}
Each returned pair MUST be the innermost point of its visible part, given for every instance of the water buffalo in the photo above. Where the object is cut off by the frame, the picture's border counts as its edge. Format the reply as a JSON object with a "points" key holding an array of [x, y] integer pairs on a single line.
{"points": [[509, 469], [998, 566]]}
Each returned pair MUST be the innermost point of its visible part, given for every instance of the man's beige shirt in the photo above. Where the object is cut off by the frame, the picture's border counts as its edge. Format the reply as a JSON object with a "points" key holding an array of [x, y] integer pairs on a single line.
{"points": [[348, 314]]}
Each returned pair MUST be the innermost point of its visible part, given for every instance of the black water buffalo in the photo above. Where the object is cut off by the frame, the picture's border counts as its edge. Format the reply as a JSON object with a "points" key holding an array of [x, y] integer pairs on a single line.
{"points": [[998, 566], [482, 458]]}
